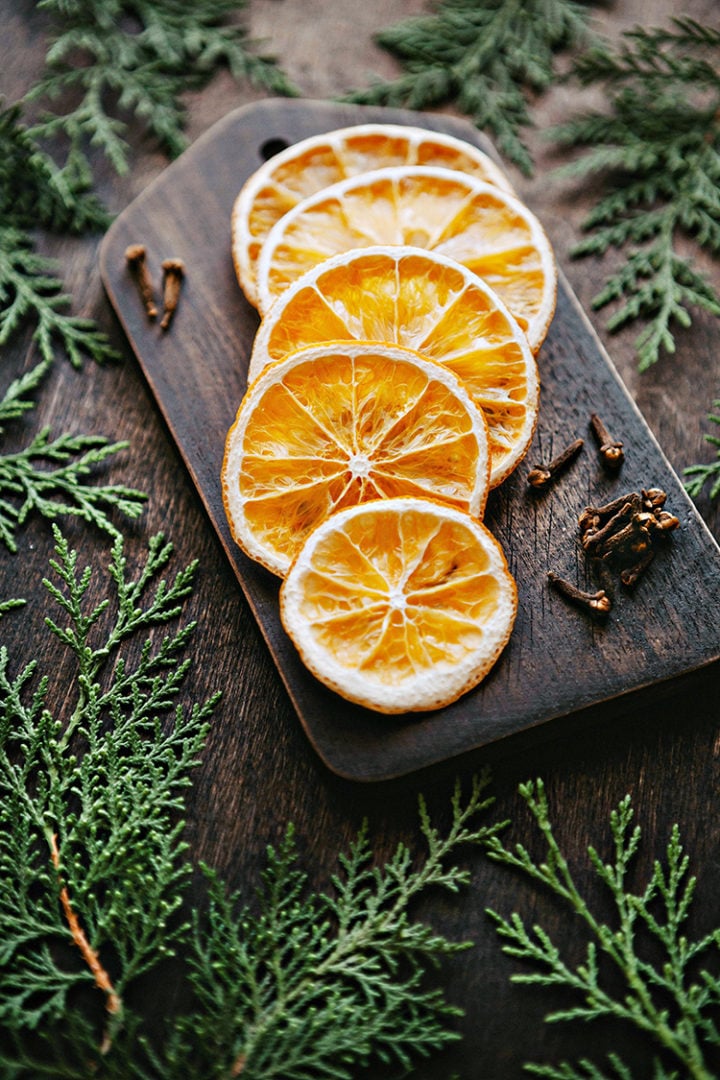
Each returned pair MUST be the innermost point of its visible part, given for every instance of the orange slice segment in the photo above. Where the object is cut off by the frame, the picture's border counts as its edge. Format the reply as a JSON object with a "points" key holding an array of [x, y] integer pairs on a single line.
{"points": [[487, 230], [308, 166], [429, 303], [401, 605], [336, 425]]}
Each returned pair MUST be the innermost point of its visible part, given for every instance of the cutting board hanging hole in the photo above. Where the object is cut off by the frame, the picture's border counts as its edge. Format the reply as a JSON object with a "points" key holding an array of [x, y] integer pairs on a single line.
{"points": [[271, 147]]}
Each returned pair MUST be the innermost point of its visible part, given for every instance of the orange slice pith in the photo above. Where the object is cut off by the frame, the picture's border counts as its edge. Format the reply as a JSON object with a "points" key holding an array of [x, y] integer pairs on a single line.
{"points": [[343, 423], [431, 304], [487, 230], [401, 605], [314, 163]]}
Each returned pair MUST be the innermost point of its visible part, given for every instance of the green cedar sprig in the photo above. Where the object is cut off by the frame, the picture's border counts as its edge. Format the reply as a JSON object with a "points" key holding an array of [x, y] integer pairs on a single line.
{"points": [[30, 290], [482, 56], [138, 57], [94, 872], [708, 472], [92, 859], [657, 146], [669, 984], [34, 191], [50, 476], [320, 984]]}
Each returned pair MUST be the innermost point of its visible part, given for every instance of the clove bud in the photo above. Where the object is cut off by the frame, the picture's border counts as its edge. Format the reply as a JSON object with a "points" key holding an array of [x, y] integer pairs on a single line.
{"points": [[542, 475], [626, 531], [174, 272], [599, 603], [610, 450], [136, 261]]}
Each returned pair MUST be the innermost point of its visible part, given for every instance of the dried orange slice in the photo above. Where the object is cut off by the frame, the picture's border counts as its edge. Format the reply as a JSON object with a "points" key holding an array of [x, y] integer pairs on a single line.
{"points": [[308, 166], [401, 605], [340, 424], [431, 304], [487, 230]]}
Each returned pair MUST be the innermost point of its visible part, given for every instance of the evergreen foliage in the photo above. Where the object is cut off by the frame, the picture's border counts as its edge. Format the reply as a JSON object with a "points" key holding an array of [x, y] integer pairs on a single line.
{"points": [[92, 860], [657, 146], [35, 193], [49, 477], [708, 472], [482, 56], [31, 291], [299, 984], [640, 968], [322, 984], [137, 59]]}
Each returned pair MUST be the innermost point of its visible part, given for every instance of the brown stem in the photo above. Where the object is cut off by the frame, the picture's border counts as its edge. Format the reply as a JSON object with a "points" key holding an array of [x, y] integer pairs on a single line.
{"points": [[611, 451], [594, 537], [239, 1066], [632, 574], [542, 475], [113, 1003], [598, 602], [174, 270], [135, 257]]}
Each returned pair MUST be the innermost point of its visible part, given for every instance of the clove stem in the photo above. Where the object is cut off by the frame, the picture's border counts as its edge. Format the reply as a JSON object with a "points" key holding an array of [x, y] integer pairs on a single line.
{"points": [[174, 271], [541, 475], [611, 451], [136, 261], [598, 602]]}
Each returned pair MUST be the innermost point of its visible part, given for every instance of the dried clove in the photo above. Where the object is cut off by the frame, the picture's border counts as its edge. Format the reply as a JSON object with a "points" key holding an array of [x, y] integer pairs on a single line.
{"points": [[653, 498], [598, 602], [611, 451], [137, 264], [630, 575], [626, 531], [597, 530], [174, 272], [628, 542], [542, 475]]}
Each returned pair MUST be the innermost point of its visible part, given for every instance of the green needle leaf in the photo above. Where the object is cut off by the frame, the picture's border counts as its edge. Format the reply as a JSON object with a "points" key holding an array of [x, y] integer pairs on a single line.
{"points": [[657, 147], [639, 967], [51, 476], [484, 57], [94, 877], [708, 473]]}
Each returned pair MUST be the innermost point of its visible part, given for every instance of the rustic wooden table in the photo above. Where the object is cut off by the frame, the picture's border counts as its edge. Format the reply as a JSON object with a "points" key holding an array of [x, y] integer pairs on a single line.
{"points": [[258, 769]]}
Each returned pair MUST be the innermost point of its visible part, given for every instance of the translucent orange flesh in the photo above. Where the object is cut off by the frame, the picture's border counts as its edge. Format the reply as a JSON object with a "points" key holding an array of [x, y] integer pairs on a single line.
{"points": [[427, 307], [346, 430], [325, 164], [399, 595], [477, 229]]}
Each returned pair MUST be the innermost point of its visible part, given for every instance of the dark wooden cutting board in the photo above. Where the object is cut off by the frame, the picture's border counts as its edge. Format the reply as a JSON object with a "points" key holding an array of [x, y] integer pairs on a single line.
{"points": [[559, 662]]}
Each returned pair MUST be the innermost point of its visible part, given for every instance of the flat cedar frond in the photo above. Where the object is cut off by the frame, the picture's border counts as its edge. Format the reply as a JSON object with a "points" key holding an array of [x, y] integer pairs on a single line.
{"points": [[30, 291], [658, 146], [706, 473], [34, 191], [138, 57], [320, 984], [670, 983], [92, 868], [93, 871], [50, 476], [483, 57]]}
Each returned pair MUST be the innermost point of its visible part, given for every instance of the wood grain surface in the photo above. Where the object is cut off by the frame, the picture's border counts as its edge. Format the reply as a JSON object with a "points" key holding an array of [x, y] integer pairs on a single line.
{"points": [[197, 371], [259, 770]]}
